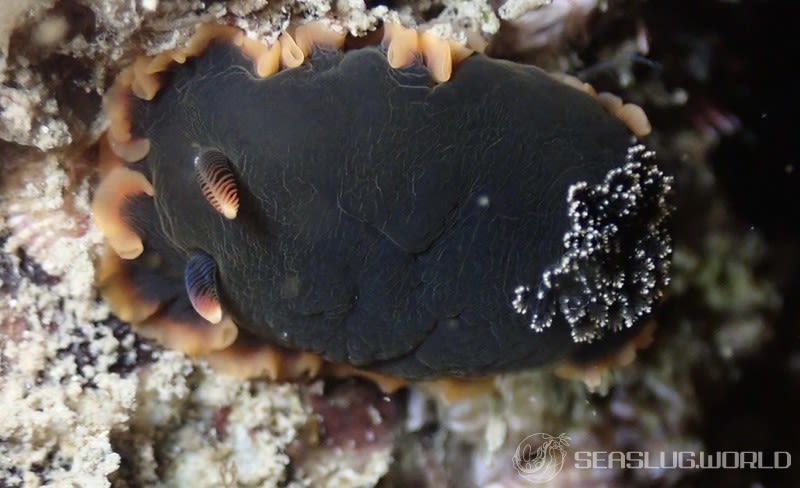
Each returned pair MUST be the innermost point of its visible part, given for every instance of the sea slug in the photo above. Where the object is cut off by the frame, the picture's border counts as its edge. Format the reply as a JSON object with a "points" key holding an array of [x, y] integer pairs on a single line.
{"points": [[408, 208]]}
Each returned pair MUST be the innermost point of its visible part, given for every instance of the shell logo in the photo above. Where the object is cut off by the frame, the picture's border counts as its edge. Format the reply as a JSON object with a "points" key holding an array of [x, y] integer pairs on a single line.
{"points": [[540, 457]]}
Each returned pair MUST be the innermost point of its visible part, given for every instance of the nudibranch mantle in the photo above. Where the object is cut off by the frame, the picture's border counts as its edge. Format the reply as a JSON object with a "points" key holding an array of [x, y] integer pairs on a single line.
{"points": [[360, 209]]}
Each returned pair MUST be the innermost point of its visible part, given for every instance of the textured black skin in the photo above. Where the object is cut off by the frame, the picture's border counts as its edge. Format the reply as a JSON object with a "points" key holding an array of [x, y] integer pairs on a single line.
{"points": [[360, 234]]}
